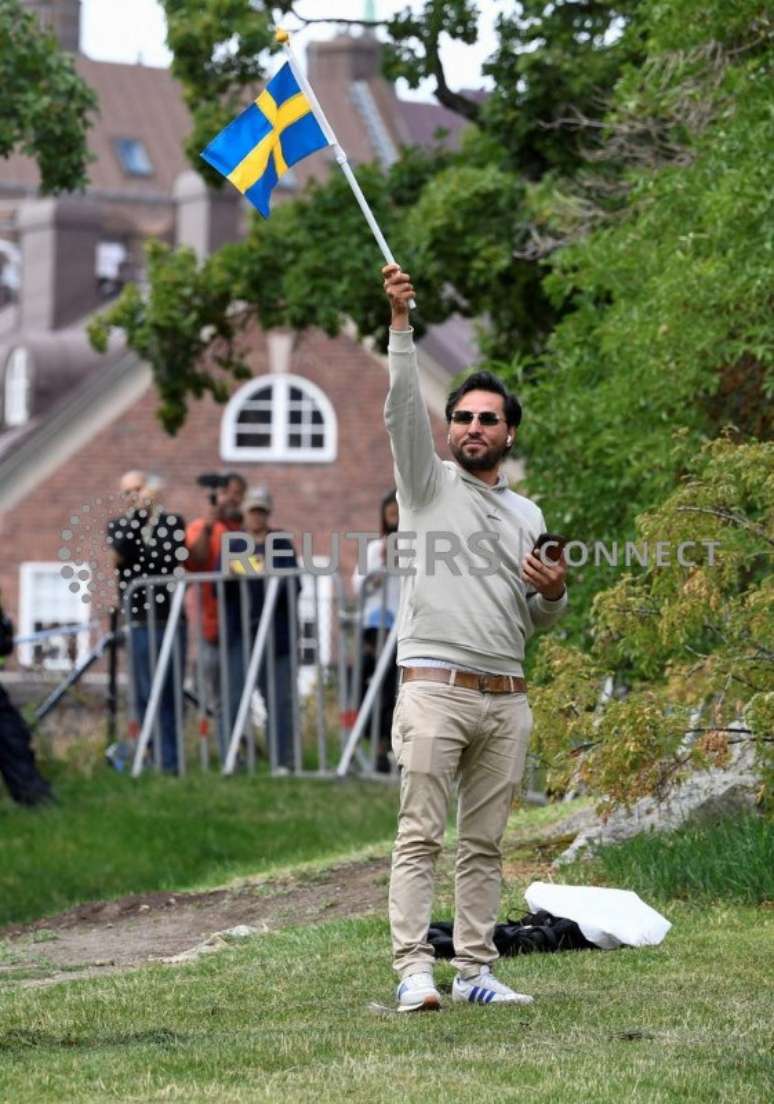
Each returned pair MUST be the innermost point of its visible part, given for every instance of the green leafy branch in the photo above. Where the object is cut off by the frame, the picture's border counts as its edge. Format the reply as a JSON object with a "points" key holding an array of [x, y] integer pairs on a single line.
{"points": [[46, 109]]}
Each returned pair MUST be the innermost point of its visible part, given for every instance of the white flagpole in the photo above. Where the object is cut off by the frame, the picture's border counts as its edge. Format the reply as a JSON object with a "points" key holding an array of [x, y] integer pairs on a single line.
{"points": [[341, 158]]}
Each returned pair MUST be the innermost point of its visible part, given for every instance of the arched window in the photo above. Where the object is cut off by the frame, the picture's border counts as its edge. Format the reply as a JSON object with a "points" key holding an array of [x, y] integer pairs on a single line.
{"points": [[16, 392], [282, 418]]}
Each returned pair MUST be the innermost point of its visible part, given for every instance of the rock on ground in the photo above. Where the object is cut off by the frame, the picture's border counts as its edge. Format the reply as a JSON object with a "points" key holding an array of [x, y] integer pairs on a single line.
{"points": [[704, 795]]}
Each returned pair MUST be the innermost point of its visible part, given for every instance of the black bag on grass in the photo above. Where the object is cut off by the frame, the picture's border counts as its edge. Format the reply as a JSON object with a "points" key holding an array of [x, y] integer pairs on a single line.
{"points": [[536, 932]]}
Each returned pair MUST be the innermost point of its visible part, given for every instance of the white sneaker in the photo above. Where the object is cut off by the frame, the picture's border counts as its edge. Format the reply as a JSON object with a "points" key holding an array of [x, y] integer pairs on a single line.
{"points": [[486, 989], [417, 993]]}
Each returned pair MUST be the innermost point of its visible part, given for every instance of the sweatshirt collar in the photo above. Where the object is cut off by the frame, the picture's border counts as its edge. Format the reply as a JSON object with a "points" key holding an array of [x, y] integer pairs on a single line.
{"points": [[468, 477]]}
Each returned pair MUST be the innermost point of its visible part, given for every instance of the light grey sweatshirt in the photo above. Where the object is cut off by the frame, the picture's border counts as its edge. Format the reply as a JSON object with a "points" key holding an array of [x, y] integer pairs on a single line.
{"points": [[471, 609]]}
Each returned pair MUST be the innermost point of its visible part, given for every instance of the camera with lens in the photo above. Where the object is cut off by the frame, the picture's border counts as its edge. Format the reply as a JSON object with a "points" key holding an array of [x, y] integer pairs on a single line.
{"points": [[213, 481]]}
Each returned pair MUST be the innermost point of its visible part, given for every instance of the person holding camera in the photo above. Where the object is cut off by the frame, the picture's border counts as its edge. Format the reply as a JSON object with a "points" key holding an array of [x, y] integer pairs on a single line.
{"points": [[203, 541], [462, 719], [149, 541], [17, 759]]}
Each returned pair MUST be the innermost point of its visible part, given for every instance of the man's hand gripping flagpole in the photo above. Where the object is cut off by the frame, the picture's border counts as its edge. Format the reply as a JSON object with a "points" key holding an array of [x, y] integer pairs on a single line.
{"points": [[342, 161]]}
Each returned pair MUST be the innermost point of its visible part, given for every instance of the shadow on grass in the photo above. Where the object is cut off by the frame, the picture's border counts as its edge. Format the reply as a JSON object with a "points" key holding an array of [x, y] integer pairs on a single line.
{"points": [[22, 1039]]}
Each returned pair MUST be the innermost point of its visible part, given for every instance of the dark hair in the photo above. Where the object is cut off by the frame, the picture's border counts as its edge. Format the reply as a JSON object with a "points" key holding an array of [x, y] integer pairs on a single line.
{"points": [[232, 476], [391, 496], [486, 381]]}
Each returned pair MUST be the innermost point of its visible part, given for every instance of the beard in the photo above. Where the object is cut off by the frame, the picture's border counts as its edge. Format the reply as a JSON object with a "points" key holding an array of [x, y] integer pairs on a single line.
{"points": [[484, 459]]}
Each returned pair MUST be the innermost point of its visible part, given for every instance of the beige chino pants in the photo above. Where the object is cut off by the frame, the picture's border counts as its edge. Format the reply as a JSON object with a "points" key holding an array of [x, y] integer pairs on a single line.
{"points": [[441, 735]]}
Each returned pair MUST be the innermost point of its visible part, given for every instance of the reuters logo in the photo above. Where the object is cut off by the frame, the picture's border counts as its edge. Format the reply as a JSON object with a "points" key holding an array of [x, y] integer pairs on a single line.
{"points": [[88, 551]]}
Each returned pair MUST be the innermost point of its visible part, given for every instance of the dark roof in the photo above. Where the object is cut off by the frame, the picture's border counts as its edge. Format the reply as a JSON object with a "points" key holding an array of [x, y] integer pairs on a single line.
{"points": [[422, 120], [59, 364], [145, 103], [452, 345], [136, 101]]}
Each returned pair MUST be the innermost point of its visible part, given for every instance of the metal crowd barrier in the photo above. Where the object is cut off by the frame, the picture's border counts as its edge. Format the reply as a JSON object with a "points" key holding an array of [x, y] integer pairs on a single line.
{"points": [[223, 675]]}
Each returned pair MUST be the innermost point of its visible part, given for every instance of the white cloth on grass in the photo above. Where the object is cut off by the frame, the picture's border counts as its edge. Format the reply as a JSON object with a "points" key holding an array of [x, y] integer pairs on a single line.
{"points": [[608, 917]]}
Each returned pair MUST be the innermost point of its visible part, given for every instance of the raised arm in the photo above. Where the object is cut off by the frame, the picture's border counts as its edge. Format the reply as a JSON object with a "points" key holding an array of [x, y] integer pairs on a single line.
{"points": [[418, 470]]}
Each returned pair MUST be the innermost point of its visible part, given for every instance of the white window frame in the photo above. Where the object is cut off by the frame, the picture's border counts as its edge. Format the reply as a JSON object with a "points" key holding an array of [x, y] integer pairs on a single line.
{"points": [[29, 613], [279, 449], [16, 387]]}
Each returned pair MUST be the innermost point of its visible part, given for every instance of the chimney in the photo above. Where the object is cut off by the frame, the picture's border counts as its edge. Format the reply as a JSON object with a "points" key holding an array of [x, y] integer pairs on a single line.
{"points": [[58, 239], [344, 59], [205, 219], [61, 17], [280, 348]]}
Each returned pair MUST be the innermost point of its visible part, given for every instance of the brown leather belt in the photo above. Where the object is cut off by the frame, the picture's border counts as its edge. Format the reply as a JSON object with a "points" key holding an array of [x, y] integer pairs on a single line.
{"points": [[486, 684]]}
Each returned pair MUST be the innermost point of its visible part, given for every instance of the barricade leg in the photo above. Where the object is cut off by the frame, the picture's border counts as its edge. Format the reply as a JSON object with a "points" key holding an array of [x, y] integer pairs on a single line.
{"points": [[385, 659], [224, 694], [202, 689], [243, 661], [259, 647], [319, 681], [178, 674], [150, 720], [291, 582]]}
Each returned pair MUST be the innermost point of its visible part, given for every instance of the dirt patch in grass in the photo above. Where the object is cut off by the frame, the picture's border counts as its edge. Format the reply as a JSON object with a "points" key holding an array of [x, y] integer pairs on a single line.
{"points": [[102, 936], [106, 936]]}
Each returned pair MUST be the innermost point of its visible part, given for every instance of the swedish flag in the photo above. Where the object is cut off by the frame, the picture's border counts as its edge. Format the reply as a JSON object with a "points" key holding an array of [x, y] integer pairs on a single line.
{"points": [[270, 135]]}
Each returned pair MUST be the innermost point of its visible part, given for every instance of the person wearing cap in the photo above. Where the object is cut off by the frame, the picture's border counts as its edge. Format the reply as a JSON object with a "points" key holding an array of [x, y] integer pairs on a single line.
{"points": [[462, 718], [243, 618]]}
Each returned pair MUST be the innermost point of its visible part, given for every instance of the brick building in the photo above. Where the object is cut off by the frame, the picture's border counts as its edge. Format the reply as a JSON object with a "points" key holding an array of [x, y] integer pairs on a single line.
{"points": [[72, 421]]}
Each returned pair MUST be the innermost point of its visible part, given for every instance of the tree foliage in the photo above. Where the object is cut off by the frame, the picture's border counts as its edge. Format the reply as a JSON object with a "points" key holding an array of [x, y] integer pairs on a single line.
{"points": [[667, 333], [608, 220], [45, 107], [190, 325], [456, 221], [691, 647], [555, 64]]}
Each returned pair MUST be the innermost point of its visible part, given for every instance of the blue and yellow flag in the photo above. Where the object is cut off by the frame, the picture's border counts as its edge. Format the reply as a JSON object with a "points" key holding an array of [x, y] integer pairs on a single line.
{"points": [[270, 135]]}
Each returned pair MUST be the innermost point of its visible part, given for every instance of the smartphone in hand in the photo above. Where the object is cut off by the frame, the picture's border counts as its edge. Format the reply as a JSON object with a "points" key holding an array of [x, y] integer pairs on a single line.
{"points": [[549, 546]]}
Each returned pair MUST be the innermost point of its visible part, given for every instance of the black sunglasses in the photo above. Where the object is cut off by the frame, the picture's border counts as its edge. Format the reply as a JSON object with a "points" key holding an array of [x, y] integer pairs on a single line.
{"points": [[467, 417]]}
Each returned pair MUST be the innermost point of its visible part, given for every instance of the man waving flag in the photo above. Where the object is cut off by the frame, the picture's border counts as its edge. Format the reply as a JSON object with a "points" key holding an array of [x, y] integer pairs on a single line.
{"points": [[270, 135]]}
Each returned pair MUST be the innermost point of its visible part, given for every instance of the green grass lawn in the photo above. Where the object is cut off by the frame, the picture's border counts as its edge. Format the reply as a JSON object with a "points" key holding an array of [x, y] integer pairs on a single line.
{"points": [[286, 1018], [110, 835], [730, 859]]}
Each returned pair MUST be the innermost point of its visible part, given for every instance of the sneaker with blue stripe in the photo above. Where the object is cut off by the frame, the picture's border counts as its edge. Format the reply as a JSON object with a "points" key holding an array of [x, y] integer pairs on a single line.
{"points": [[417, 993], [484, 988]]}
